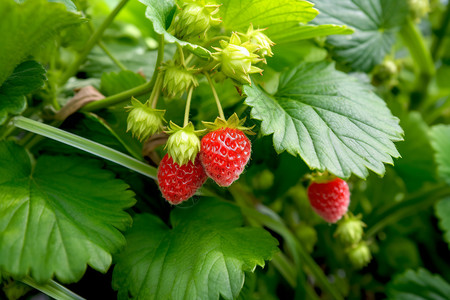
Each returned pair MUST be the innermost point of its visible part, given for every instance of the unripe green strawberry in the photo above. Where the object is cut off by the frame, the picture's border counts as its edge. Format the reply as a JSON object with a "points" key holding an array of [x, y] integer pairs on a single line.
{"points": [[359, 255], [177, 79], [235, 59], [259, 39], [194, 19], [144, 121], [350, 230], [183, 143]]}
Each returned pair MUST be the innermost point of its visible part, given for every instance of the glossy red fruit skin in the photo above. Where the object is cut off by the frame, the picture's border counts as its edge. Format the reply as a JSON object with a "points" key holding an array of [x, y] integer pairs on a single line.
{"points": [[224, 153], [179, 183], [329, 200]]}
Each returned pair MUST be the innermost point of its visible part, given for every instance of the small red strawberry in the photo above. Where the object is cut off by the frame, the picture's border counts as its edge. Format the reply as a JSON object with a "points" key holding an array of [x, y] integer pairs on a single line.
{"points": [[225, 150], [179, 183], [329, 199]]}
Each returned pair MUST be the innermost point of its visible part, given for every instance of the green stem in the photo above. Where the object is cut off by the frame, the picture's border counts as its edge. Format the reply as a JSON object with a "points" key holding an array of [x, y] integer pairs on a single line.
{"points": [[111, 56], [408, 207], [86, 145], [181, 55], [423, 61], [52, 289], [216, 97], [118, 98], [156, 90], [285, 267], [441, 33], [137, 91], [188, 106], [91, 43]]}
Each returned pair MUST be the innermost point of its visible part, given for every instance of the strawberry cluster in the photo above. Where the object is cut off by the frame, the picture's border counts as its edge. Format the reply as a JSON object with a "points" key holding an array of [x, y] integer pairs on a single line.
{"points": [[224, 153]]}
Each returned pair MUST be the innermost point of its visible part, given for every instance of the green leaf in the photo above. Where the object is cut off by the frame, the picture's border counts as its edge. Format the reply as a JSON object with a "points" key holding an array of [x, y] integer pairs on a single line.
{"points": [[440, 140], [442, 209], [376, 23], [24, 28], [54, 218], [333, 121], [68, 3], [115, 82], [26, 78], [203, 255], [161, 13], [285, 20], [417, 164], [418, 285]]}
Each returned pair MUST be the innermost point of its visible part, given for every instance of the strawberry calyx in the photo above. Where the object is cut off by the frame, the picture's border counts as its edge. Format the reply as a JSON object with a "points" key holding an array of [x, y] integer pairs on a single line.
{"points": [[183, 143], [233, 122], [143, 120], [322, 177]]}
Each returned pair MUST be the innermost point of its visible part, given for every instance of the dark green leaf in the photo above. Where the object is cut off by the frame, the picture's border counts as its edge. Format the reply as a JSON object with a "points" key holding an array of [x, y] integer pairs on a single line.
{"points": [[330, 119], [417, 164], [376, 23], [26, 78], [203, 255], [58, 215], [161, 13], [24, 27], [113, 83], [443, 213], [285, 20], [420, 285], [440, 140]]}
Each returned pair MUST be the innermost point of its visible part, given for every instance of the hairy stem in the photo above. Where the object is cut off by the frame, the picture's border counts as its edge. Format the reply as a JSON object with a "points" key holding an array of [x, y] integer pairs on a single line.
{"points": [[156, 90], [73, 68], [181, 55], [216, 97]]}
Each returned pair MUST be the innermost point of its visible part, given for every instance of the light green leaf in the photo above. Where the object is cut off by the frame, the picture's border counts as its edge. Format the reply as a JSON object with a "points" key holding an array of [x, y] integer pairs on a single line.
{"points": [[24, 28], [58, 215], [376, 23], [333, 121], [417, 164], [26, 78], [161, 13], [203, 255], [115, 82], [418, 285], [68, 3], [440, 140], [285, 20], [442, 209]]}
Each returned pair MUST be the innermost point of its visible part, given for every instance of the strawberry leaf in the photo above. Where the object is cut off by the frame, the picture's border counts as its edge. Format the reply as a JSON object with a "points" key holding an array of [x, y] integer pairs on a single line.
{"points": [[440, 140], [26, 26], [333, 121], [202, 256], [376, 23], [27, 77], [161, 14], [54, 218], [285, 20], [442, 210], [418, 285]]}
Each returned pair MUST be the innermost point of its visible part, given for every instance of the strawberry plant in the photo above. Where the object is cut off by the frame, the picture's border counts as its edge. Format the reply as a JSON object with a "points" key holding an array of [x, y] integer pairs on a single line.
{"points": [[224, 149]]}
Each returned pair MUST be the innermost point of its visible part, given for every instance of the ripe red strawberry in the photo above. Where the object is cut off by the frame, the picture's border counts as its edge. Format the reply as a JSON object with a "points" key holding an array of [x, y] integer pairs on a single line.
{"points": [[330, 199], [224, 153], [179, 183]]}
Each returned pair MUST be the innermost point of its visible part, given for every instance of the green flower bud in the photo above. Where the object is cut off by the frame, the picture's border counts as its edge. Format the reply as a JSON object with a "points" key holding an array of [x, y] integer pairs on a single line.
{"points": [[235, 59], [195, 18], [183, 143], [259, 39], [359, 255], [177, 79], [144, 121], [418, 8], [263, 180], [350, 230], [385, 73]]}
